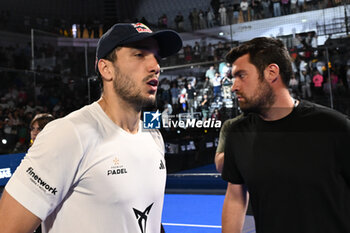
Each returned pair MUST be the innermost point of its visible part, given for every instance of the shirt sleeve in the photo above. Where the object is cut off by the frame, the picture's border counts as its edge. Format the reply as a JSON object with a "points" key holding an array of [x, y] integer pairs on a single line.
{"points": [[158, 138], [48, 171], [222, 137], [223, 133], [230, 172], [343, 145]]}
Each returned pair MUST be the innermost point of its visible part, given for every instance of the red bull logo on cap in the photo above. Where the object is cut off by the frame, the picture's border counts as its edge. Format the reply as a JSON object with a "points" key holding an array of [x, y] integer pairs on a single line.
{"points": [[140, 27]]}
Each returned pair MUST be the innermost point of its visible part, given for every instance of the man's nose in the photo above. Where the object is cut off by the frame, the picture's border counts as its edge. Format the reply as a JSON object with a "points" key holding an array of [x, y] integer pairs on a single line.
{"points": [[234, 86], [153, 65]]}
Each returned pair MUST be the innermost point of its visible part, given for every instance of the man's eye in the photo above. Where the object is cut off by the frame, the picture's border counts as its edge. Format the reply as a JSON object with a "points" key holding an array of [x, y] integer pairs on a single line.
{"points": [[139, 55]]}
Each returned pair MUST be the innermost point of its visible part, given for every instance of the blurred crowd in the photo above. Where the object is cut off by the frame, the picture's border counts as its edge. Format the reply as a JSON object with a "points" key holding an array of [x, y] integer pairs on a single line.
{"points": [[218, 13], [60, 86], [58, 82]]}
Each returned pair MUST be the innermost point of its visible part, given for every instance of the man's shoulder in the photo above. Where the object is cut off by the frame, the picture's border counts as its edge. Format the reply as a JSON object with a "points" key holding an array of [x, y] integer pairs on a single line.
{"points": [[315, 108], [322, 114], [81, 119], [232, 122]]}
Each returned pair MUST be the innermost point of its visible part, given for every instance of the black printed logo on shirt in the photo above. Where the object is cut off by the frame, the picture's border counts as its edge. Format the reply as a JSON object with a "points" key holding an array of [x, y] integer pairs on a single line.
{"points": [[40, 182], [142, 217], [161, 166], [117, 168]]}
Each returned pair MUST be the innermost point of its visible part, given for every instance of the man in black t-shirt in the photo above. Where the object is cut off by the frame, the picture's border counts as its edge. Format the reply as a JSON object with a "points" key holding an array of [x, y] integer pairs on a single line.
{"points": [[190, 94], [291, 156]]}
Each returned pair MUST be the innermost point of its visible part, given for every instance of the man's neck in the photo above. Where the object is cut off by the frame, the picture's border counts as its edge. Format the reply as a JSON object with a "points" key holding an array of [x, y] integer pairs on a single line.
{"points": [[282, 107], [121, 113]]}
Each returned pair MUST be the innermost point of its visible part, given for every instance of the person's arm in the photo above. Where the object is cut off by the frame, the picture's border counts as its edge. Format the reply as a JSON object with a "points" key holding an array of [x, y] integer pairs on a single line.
{"points": [[219, 161], [14, 218], [223, 80], [219, 155], [234, 209]]}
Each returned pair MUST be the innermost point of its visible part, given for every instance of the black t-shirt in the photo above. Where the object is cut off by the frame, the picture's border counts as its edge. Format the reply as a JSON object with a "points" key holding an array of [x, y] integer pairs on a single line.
{"points": [[190, 93], [205, 106], [297, 169]]}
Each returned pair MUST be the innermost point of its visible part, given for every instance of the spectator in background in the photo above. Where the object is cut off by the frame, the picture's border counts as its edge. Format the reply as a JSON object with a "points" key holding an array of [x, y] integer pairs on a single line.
{"points": [[196, 51], [266, 8], [163, 21], [235, 13], [188, 53], [293, 6], [308, 5], [226, 83], [300, 5], [334, 80], [215, 4], [217, 87], [244, 8], [37, 125], [285, 7], [276, 7], [167, 111], [230, 14], [206, 84], [210, 52], [317, 80], [179, 22], [210, 18], [222, 15], [294, 86], [348, 77], [257, 9], [225, 69], [205, 107], [216, 114], [202, 20], [174, 94], [181, 56], [30, 107], [182, 99], [305, 84], [195, 18], [190, 18], [165, 88], [210, 73], [190, 95]]}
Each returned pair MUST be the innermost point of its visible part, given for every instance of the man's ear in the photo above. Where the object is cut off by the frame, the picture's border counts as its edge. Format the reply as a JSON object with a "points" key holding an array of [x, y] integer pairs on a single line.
{"points": [[272, 73], [105, 70]]}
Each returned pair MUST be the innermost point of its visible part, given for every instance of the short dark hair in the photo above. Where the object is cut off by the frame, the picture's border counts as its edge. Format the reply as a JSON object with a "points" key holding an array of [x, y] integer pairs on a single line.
{"points": [[112, 57], [264, 51], [42, 119]]}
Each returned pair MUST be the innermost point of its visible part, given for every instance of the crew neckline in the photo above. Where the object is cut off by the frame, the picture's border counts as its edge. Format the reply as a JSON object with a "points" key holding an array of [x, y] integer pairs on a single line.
{"points": [[114, 125]]}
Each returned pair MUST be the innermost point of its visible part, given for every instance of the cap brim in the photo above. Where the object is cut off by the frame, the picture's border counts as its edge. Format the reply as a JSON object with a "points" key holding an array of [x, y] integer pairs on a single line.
{"points": [[169, 41]]}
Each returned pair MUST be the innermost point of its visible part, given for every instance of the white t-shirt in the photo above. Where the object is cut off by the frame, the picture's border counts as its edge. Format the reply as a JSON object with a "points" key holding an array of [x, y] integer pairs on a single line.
{"points": [[217, 81], [86, 174], [244, 5]]}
